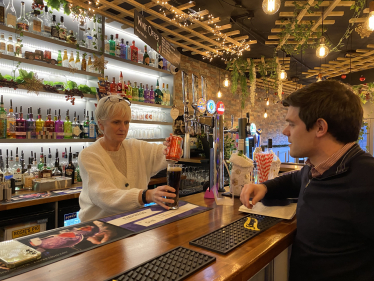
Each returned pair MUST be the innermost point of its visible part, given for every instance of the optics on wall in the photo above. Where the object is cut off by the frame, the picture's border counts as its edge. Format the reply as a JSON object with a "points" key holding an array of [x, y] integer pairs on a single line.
{"points": [[270, 7], [226, 82], [282, 75], [265, 114], [370, 20], [322, 51]]}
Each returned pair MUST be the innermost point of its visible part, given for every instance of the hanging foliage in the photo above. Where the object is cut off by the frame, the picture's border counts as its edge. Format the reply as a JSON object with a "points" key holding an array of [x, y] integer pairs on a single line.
{"points": [[239, 67], [365, 92], [253, 83]]}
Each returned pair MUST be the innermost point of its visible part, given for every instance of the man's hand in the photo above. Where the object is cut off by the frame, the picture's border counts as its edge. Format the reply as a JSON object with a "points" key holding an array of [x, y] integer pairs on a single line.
{"points": [[158, 195], [256, 191]]}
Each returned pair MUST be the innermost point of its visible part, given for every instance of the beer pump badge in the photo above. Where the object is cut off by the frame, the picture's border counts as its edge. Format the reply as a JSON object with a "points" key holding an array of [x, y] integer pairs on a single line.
{"points": [[220, 108], [211, 106], [201, 105]]}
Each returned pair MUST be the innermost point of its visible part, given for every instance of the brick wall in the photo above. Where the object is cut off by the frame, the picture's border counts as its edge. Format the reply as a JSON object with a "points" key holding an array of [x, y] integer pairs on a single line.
{"points": [[271, 126]]}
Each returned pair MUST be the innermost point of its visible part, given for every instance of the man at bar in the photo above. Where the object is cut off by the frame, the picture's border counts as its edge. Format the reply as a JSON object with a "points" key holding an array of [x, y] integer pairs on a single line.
{"points": [[115, 172], [335, 189]]}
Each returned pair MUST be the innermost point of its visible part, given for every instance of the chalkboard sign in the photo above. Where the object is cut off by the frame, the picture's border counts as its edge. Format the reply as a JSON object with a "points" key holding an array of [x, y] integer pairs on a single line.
{"points": [[146, 32]]}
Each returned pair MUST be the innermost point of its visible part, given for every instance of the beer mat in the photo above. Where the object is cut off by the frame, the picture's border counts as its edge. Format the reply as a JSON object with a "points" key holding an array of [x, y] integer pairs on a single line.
{"points": [[61, 243], [153, 216], [176, 264], [227, 238], [40, 195]]}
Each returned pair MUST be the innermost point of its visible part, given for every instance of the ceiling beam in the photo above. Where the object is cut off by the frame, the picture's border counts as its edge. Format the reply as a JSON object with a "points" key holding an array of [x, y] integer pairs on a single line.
{"points": [[327, 22], [313, 14], [323, 4]]}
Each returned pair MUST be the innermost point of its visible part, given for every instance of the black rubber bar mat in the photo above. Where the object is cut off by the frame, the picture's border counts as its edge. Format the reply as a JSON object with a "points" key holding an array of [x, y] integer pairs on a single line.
{"points": [[226, 238], [173, 265]]}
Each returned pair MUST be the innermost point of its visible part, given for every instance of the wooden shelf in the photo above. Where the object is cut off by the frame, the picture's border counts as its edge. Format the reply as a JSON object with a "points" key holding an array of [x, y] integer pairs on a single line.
{"points": [[150, 122], [44, 140], [64, 70], [151, 104], [152, 140], [49, 40]]}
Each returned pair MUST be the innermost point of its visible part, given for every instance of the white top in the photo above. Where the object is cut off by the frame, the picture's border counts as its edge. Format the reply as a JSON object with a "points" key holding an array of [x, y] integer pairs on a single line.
{"points": [[105, 190]]}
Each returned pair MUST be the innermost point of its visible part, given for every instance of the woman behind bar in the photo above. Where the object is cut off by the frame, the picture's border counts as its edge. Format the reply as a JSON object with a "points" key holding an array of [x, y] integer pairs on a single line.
{"points": [[115, 172]]}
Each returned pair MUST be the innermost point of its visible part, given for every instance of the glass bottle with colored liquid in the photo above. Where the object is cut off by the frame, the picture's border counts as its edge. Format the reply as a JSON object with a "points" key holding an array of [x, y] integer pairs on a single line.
{"points": [[11, 123], [129, 90], [135, 92], [122, 49], [112, 46], [68, 131], [120, 84], [128, 51], [59, 58], [92, 128], [49, 124], [134, 52], [146, 94], [41, 159], [146, 58], [65, 59], [39, 124], [141, 93], [3, 120], [158, 94], [86, 126], [20, 126], [31, 126], [76, 127], [151, 95], [164, 95], [59, 126]]}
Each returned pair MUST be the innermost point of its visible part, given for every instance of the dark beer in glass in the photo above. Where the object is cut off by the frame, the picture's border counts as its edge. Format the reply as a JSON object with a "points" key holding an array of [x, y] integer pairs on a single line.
{"points": [[174, 175]]}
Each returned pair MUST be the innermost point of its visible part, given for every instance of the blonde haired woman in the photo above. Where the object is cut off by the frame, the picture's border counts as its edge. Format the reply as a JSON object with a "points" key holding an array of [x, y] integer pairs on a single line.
{"points": [[115, 172]]}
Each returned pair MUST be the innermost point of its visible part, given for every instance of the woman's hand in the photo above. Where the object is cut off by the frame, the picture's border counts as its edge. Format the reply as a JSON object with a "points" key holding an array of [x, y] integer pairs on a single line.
{"points": [[167, 144], [158, 195]]}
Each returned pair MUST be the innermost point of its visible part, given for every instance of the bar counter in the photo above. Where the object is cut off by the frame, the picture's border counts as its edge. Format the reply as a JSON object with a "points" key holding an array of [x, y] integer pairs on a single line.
{"points": [[240, 264]]}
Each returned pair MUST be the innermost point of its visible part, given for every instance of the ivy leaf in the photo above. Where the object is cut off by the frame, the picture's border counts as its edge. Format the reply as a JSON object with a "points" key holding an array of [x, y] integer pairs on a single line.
{"points": [[8, 77], [66, 9], [71, 85]]}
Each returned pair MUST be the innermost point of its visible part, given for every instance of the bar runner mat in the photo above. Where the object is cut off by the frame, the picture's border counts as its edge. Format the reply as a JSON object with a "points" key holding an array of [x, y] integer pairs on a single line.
{"points": [[176, 264], [227, 238]]}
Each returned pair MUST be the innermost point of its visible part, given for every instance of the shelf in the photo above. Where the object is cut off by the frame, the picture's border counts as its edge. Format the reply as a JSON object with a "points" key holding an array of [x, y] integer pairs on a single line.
{"points": [[151, 104], [62, 93], [63, 70], [152, 140], [49, 40], [44, 140], [138, 66], [151, 122]]}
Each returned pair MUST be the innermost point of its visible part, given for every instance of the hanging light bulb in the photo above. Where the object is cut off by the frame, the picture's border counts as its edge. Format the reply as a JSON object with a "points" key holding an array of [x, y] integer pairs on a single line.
{"points": [[369, 24], [322, 51], [282, 75], [267, 101], [265, 114], [226, 82], [270, 7], [219, 93]]}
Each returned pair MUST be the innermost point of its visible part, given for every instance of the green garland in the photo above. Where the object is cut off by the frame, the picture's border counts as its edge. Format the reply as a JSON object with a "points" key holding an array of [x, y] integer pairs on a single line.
{"points": [[238, 77]]}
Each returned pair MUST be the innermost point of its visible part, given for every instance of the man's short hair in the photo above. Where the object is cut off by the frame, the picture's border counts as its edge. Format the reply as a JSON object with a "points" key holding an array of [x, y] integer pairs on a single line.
{"points": [[332, 101]]}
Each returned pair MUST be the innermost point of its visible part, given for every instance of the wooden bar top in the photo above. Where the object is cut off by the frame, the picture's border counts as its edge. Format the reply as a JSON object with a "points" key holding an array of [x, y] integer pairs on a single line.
{"points": [[240, 264]]}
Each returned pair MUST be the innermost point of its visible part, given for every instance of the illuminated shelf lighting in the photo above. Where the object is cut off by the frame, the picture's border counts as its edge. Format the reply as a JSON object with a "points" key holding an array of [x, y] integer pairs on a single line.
{"points": [[121, 31], [132, 71]]}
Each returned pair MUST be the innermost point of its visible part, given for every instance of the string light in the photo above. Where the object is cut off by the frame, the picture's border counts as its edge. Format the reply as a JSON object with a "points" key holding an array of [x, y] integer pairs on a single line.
{"points": [[265, 114], [226, 82], [270, 7], [322, 51], [370, 20]]}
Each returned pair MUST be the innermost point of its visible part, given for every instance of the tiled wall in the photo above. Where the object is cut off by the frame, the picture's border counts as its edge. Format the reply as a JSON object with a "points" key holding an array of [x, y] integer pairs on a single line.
{"points": [[271, 126]]}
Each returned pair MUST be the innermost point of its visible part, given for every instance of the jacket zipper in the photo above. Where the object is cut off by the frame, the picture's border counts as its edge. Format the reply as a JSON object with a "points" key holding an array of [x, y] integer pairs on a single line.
{"points": [[307, 184]]}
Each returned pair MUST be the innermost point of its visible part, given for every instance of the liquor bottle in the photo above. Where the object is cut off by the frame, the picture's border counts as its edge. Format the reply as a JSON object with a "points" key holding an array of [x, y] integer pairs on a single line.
{"points": [[160, 62], [120, 84], [45, 172], [164, 95], [70, 169], [3, 120], [11, 123], [34, 167], [81, 33], [55, 117], [56, 171], [82, 125], [75, 163], [64, 161], [22, 22], [135, 92], [140, 56], [65, 59], [167, 102], [106, 44], [122, 49], [39, 123], [27, 178], [68, 131], [89, 67], [84, 63], [146, 94], [88, 38], [92, 128], [11, 159], [152, 58], [113, 87], [47, 23], [118, 46], [20, 126], [49, 124], [112, 46], [2, 43], [8, 172], [78, 64], [54, 28], [86, 126], [141, 93], [41, 159], [129, 90], [36, 24], [71, 60], [62, 30], [151, 95], [71, 38], [18, 48], [76, 127], [134, 52], [158, 94], [128, 51], [164, 64], [59, 126], [10, 15], [17, 172], [1, 167], [49, 160], [146, 58], [10, 46], [2, 15], [59, 58], [31, 126]]}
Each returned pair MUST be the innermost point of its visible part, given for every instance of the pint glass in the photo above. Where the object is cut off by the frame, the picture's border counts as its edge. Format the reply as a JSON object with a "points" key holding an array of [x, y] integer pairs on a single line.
{"points": [[174, 175]]}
